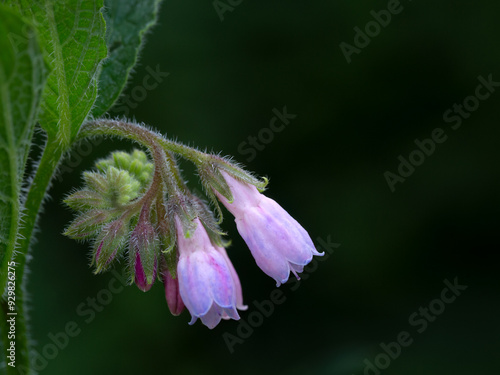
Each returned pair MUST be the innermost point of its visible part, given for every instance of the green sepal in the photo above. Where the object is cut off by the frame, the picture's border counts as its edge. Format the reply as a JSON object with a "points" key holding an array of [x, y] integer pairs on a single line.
{"points": [[181, 206], [109, 244], [171, 259], [212, 179], [96, 182], [144, 241], [167, 234], [87, 224], [209, 222], [234, 169], [83, 200]]}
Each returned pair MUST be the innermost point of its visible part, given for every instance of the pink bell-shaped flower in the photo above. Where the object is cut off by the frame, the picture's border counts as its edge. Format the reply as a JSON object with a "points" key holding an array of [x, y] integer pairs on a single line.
{"points": [[277, 241], [208, 283]]}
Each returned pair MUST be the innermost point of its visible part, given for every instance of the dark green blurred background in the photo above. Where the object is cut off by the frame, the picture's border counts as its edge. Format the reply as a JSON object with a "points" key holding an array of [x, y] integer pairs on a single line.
{"points": [[326, 168]]}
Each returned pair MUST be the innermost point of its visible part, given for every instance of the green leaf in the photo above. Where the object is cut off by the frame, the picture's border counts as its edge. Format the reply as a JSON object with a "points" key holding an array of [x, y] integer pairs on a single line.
{"points": [[127, 21], [73, 37], [22, 78]]}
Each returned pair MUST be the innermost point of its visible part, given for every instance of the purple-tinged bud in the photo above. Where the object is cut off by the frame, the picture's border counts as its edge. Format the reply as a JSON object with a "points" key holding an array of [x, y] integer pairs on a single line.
{"points": [[109, 242], [172, 295], [207, 285], [98, 257], [277, 241], [144, 249], [142, 281]]}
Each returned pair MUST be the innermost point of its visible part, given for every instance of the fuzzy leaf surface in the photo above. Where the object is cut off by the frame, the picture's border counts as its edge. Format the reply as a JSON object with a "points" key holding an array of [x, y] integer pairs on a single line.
{"points": [[127, 21], [73, 36]]}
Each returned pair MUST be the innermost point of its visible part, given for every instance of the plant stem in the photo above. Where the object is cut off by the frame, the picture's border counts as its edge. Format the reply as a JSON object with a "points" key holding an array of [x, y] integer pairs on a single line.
{"points": [[139, 134], [51, 156], [161, 149]]}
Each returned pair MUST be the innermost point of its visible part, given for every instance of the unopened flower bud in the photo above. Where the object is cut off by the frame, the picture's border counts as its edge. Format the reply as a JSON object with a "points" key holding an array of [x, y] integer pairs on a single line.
{"points": [[172, 295], [144, 282], [109, 243], [144, 249], [96, 182], [87, 224], [122, 187], [83, 200], [116, 187], [136, 163]]}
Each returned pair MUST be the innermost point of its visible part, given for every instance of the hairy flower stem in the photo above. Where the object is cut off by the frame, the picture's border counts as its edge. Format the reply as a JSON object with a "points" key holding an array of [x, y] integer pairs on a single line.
{"points": [[166, 169], [51, 156], [139, 134], [161, 149]]}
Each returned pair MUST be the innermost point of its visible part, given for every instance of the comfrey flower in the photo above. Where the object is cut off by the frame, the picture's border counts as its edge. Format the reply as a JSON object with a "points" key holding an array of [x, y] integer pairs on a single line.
{"points": [[139, 208], [208, 284], [277, 241]]}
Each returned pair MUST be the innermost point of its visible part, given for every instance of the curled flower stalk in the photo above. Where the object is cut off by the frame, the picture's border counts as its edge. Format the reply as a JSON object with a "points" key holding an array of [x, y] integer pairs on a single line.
{"points": [[137, 207]]}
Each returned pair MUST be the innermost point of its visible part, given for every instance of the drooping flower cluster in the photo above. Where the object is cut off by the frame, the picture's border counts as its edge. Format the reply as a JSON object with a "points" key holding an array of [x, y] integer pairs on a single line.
{"points": [[140, 209]]}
